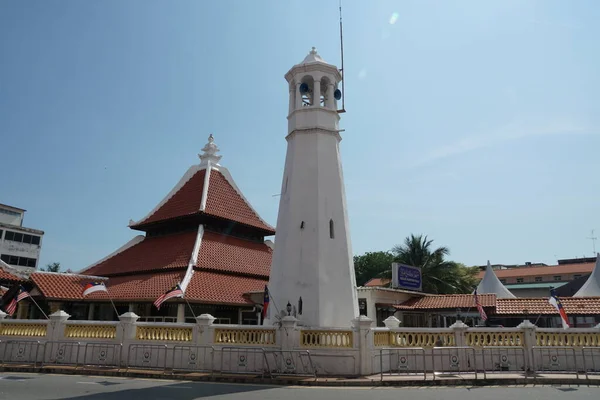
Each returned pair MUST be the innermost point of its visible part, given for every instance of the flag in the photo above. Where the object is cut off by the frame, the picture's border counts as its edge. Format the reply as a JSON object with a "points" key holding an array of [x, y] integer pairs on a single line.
{"points": [[175, 291], [556, 303], [265, 303], [23, 294], [482, 313], [94, 287], [12, 306]]}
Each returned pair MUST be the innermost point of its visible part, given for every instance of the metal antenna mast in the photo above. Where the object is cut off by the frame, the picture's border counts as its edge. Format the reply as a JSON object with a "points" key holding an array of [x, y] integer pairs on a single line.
{"points": [[593, 239], [343, 110]]}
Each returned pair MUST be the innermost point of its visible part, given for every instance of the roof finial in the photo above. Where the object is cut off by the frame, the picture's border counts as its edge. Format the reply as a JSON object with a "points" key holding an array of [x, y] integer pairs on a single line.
{"points": [[314, 50], [210, 151]]}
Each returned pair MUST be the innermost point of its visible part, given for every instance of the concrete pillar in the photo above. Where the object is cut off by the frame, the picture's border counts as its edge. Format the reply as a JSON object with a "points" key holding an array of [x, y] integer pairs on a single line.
{"points": [[317, 94], [459, 328], [288, 336], [180, 313], [204, 323], [131, 308], [56, 326], [292, 98], [298, 96], [91, 310], [391, 322], [364, 342], [529, 340], [330, 101]]}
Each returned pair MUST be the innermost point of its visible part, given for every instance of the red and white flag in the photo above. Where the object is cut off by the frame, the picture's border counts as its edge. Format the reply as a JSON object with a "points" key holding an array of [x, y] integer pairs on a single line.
{"points": [[482, 313]]}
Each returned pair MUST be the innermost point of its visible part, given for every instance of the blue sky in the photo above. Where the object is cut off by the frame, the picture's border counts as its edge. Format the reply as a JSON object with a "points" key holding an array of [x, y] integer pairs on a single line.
{"points": [[476, 123]]}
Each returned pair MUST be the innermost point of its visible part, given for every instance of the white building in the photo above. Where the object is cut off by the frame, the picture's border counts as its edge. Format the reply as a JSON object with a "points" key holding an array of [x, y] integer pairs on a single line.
{"points": [[312, 273], [19, 246]]}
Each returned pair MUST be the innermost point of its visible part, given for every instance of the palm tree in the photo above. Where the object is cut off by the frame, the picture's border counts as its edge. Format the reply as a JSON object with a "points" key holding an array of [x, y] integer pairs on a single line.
{"points": [[440, 276]]}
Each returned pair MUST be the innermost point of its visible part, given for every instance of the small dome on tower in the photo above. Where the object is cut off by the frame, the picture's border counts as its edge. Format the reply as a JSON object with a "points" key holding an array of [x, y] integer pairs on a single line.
{"points": [[313, 57]]}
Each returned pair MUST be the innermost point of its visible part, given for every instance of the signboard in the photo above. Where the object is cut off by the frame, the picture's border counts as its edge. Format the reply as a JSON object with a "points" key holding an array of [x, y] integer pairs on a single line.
{"points": [[406, 277]]}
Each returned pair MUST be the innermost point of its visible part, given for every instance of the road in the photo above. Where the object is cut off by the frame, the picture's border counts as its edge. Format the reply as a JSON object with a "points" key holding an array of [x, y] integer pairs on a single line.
{"points": [[23, 386]]}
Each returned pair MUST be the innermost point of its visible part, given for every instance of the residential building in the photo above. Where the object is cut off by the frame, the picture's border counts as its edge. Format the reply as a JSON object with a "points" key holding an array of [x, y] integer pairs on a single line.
{"points": [[19, 246]]}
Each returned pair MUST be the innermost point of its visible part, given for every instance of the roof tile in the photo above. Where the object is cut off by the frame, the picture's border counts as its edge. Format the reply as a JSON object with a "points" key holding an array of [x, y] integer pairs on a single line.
{"points": [[151, 254], [186, 201], [231, 254], [447, 301], [225, 202], [534, 306], [542, 271]]}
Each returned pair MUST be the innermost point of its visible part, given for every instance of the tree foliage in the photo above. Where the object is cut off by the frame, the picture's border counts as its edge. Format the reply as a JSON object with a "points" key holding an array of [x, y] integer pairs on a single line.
{"points": [[440, 275], [52, 267], [372, 265]]}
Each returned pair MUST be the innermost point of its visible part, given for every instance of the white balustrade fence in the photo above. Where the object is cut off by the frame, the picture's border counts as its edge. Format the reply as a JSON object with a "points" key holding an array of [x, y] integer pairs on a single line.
{"points": [[292, 350]]}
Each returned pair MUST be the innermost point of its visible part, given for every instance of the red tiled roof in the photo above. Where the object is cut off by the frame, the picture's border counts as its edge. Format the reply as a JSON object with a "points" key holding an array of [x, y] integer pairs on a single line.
{"points": [[222, 201], [231, 254], [205, 287], [6, 276], [225, 202], [535, 306], [151, 254], [55, 285], [542, 271], [211, 287], [186, 201], [447, 301], [376, 282]]}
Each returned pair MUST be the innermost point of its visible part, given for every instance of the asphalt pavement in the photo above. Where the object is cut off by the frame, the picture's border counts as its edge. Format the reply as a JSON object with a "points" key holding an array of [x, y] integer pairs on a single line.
{"points": [[26, 386]]}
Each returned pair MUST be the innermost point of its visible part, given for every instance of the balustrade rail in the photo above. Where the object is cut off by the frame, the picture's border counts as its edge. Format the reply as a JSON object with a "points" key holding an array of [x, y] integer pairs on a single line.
{"points": [[164, 333], [89, 331], [326, 338], [26, 329], [491, 338], [246, 336], [578, 339]]}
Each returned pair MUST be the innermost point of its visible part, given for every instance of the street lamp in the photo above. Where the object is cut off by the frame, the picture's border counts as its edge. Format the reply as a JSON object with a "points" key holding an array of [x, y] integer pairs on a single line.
{"points": [[289, 308]]}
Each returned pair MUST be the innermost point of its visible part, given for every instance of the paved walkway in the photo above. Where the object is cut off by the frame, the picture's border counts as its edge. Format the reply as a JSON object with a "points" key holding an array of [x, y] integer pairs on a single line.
{"points": [[36, 386], [469, 379]]}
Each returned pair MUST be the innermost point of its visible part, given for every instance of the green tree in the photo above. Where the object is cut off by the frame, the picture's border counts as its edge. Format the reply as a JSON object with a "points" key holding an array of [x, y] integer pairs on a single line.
{"points": [[440, 276], [372, 265], [52, 267]]}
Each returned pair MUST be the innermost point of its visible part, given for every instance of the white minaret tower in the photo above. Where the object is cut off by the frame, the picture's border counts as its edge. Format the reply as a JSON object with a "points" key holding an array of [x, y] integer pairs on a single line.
{"points": [[312, 267]]}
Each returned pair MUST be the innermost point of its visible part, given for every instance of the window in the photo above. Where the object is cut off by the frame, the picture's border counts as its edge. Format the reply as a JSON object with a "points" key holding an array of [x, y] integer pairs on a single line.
{"points": [[15, 260], [22, 237], [331, 232], [35, 240], [18, 237], [557, 278], [519, 280], [576, 276], [538, 278], [9, 235], [9, 212], [0, 234]]}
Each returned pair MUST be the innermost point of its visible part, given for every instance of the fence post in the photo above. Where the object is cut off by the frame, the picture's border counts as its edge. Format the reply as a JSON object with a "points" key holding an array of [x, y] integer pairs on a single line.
{"points": [[529, 341], [459, 328], [391, 322], [56, 331], [288, 334], [204, 322], [128, 331], [364, 343]]}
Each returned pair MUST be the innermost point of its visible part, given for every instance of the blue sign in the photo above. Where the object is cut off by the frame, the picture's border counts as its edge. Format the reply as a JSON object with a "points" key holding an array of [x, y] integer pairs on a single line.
{"points": [[406, 277]]}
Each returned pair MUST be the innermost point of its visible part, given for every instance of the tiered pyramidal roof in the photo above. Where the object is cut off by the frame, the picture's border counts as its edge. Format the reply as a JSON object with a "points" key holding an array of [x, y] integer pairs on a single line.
{"points": [[204, 223]]}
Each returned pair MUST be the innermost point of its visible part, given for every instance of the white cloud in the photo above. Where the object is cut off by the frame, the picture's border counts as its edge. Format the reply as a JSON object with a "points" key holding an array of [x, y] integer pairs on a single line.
{"points": [[512, 131]]}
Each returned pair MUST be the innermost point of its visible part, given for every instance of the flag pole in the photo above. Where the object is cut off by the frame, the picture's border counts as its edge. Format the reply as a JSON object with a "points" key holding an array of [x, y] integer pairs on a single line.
{"points": [[113, 303], [190, 306], [38, 306]]}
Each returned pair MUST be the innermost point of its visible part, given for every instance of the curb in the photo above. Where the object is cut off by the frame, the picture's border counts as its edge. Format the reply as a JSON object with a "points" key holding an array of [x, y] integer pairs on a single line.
{"points": [[324, 382]]}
